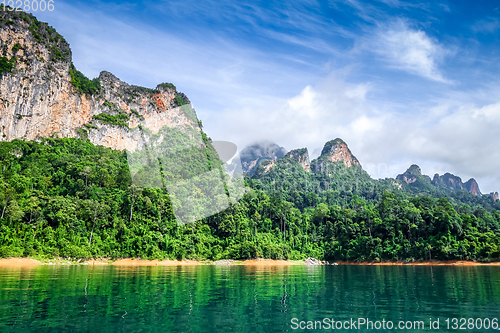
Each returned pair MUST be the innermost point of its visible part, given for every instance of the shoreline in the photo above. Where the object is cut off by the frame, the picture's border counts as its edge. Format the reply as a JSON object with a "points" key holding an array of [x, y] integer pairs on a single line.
{"points": [[423, 263], [129, 262]]}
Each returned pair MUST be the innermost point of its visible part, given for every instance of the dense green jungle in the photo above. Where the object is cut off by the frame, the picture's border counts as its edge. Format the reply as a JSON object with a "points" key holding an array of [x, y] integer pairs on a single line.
{"points": [[65, 197], [70, 198]]}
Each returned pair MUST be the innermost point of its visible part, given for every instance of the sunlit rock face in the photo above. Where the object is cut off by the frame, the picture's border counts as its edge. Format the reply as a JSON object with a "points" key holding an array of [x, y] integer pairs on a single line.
{"points": [[334, 151], [301, 156], [38, 97], [42, 95], [472, 187], [337, 150]]}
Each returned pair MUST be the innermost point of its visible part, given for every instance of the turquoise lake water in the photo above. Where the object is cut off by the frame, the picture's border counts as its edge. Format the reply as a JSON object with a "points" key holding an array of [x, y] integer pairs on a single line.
{"points": [[246, 298]]}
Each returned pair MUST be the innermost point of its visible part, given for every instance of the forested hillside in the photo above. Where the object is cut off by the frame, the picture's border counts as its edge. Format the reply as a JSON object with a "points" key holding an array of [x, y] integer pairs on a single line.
{"points": [[67, 197], [74, 198]]}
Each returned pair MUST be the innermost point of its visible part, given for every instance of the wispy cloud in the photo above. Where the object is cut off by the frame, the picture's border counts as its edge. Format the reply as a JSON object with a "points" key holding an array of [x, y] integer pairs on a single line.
{"points": [[403, 4], [409, 50], [449, 134], [275, 73], [489, 25]]}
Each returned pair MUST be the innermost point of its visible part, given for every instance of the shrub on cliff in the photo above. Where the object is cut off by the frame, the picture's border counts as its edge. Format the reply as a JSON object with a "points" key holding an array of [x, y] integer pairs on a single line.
{"points": [[118, 120], [83, 84], [7, 65], [167, 85], [41, 32]]}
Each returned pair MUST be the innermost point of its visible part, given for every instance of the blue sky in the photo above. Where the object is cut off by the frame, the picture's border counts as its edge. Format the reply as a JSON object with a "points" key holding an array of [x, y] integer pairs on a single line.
{"points": [[400, 82]]}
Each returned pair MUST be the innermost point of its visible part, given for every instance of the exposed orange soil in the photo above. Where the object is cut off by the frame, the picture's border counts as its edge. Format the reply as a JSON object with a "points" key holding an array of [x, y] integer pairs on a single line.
{"points": [[424, 263], [97, 262], [27, 262], [19, 262]]}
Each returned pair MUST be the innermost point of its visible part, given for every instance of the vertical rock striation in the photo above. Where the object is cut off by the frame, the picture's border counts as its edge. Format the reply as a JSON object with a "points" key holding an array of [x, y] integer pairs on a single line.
{"points": [[43, 95], [337, 150], [334, 151], [472, 187], [301, 156]]}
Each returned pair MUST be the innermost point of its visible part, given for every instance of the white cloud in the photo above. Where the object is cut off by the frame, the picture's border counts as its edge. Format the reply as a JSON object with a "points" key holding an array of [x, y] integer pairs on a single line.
{"points": [[243, 94], [214, 71], [489, 25], [440, 136], [409, 50], [314, 116]]}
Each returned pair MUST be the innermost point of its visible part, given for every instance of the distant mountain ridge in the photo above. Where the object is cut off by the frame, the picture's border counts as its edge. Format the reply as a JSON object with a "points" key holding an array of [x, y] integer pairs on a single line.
{"points": [[254, 154], [301, 156], [338, 173], [413, 177], [333, 151]]}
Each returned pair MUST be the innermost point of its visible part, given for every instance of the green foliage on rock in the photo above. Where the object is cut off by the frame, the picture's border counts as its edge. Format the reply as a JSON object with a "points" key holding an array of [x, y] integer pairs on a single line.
{"points": [[137, 114], [83, 84], [117, 120], [16, 47], [90, 126], [179, 101], [167, 85], [41, 32], [7, 65]]}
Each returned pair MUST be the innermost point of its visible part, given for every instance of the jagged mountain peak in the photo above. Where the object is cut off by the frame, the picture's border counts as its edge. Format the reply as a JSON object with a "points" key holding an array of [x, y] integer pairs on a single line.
{"points": [[300, 155], [414, 170], [448, 180], [337, 150], [251, 156], [472, 187], [413, 176], [108, 76]]}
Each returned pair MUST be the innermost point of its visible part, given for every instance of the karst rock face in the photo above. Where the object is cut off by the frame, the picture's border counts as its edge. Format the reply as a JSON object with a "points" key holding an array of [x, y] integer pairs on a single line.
{"points": [[39, 97], [411, 175], [301, 156], [334, 151], [337, 150], [449, 181], [494, 195], [472, 187]]}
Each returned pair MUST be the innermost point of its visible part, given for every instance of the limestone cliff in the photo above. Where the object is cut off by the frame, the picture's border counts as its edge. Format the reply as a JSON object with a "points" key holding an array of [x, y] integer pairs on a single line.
{"points": [[472, 187], [334, 151], [494, 195], [301, 156], [414, 177], [449, 181], [337, 150], [43, 95], [454, 183]]}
